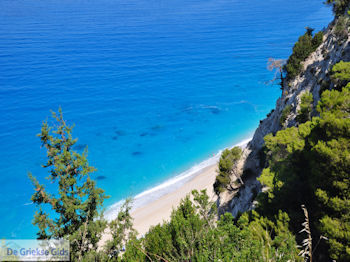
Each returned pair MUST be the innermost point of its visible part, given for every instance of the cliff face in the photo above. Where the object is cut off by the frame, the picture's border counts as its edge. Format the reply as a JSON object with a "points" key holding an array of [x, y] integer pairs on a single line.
{"points": [[315, 73]]}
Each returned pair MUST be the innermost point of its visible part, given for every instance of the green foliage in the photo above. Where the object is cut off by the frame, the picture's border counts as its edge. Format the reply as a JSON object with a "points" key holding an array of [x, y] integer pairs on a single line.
{"points": [[317, 40], [305, 108], [341, 29], [121, 230], [78, 201], [310, 165], [341, 71], [341, 74], [305, 45], [339, 6], [285, 113], [228, 159], [192, 234]]}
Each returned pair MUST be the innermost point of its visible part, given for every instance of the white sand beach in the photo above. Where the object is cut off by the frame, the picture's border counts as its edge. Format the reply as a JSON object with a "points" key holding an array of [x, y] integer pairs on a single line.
{"points": [[155, 212]]}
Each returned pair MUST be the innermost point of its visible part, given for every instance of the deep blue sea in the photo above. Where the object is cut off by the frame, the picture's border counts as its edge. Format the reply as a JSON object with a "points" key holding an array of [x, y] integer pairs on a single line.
{"points": [[153, 87]]}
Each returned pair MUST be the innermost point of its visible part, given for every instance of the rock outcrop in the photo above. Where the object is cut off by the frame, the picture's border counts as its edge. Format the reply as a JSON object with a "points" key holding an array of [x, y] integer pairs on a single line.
{"points": [[315, 74]]}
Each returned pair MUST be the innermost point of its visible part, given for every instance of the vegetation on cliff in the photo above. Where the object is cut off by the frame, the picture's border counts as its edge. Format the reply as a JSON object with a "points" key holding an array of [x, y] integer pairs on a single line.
{"points": [[193, 234], [339, 6], [305, 45], [227, 162], [309, 165], [306, 105]]}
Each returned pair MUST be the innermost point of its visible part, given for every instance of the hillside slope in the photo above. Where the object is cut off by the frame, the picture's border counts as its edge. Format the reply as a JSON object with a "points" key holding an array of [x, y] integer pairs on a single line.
{"points": [[314, 75]]}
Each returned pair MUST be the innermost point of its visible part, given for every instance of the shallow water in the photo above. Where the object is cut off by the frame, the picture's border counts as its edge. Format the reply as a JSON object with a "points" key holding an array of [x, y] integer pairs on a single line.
{"points": [[154, 87]]}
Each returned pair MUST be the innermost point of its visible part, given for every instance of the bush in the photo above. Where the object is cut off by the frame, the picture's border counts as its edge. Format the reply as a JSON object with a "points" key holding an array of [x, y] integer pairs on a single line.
{"points": [[309, 165], [317, 39], [192, 234], [285, 112], [228, 158], [305, 45], [305, 108], [341, 74], [341, 28], [339, 6]]}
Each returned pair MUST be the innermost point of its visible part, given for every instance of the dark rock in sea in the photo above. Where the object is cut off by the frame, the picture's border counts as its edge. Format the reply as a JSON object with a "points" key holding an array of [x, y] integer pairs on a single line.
{"points": [[79, 147], [144, 134], [101, 178], [136, 153], [214, 110], [115, 137]]}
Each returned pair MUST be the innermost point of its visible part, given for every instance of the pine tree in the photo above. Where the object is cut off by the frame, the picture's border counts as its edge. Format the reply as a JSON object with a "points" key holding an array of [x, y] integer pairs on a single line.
{"points": [[310, 164], [340, 74], [74, 207], [227, 167]]}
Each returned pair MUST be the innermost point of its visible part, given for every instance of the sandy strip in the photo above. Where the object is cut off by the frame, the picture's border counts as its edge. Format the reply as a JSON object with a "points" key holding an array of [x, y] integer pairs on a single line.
{"points": [[155, 212]]}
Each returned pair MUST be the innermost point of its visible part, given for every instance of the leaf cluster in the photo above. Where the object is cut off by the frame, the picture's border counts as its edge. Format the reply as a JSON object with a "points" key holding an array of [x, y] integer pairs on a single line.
{"points": [[305, 45], [228, 159], [310, 164]]}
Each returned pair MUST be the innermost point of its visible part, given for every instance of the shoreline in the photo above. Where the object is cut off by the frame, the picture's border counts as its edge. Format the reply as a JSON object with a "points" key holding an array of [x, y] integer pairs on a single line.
{"points": [[155, 205]]}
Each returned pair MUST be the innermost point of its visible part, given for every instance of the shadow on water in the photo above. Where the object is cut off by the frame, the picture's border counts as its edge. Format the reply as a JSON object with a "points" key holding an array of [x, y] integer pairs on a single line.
{"points": [[136, 153]]}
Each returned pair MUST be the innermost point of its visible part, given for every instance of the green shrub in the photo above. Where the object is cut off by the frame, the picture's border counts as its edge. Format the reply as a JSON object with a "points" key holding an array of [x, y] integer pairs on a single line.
{"points": [[193, 234], [317, 39], [305, 45], [227, 160], [285, 112], [339, 6], [340, 74], [309, 165], [341, 29], [305, 108]]}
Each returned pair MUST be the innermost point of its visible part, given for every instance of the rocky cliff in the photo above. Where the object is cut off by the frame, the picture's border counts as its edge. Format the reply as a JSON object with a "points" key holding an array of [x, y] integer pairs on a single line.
{"points": [[315, 74]]}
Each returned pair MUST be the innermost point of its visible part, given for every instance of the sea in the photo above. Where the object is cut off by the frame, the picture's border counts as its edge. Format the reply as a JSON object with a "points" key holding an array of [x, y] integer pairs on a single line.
{"points": [[155, 89]]}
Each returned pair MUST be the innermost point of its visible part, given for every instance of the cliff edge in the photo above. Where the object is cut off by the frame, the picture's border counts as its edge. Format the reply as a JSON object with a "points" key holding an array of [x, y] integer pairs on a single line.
{"points": [[315, 74]]}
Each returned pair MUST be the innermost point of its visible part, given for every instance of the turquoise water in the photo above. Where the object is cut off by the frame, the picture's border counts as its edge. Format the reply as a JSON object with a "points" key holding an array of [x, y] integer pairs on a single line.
{"points": [[153, 87]]}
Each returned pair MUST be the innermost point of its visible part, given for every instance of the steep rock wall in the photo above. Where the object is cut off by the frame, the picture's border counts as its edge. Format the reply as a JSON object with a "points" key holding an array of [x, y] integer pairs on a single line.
{"points": [[315, 73]]}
